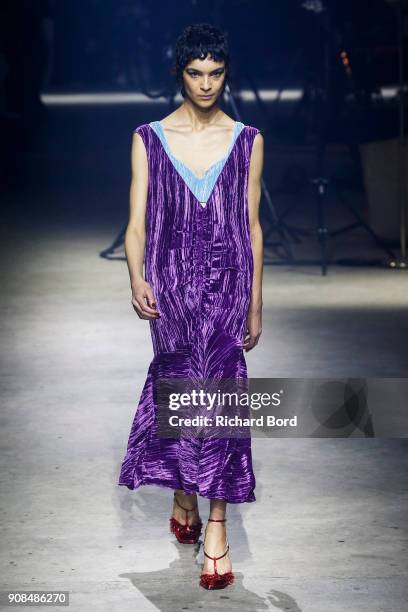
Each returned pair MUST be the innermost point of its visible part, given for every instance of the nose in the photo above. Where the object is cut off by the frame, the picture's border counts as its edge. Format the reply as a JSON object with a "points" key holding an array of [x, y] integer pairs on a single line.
{"points": [[206, 85]]}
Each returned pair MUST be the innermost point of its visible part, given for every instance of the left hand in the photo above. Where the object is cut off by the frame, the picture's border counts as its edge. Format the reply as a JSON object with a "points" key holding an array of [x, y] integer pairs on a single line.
{"points": [[254, 329]]}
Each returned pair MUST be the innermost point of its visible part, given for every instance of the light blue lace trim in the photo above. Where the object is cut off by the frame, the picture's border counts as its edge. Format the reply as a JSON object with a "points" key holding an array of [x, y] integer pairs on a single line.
{"points": [[200, 186]]}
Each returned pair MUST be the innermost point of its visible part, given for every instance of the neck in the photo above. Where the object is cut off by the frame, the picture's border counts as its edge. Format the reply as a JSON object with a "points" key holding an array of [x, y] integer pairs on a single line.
{"points": [[199, 117]]}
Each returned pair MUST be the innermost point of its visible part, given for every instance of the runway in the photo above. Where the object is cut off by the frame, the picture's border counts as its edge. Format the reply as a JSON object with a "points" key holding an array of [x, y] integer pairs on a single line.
{"points": [[328, 531], [325, 84]]}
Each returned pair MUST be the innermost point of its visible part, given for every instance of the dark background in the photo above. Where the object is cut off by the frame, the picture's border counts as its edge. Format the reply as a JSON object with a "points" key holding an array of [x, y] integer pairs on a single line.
{"points": [[71, 161]]}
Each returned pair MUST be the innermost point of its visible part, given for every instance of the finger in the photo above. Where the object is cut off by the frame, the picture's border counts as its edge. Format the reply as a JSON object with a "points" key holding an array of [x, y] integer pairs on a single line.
{"points": [[142, 308], [146, 308], [136, 308], [150, 299], [255, 341], [250, 345]]}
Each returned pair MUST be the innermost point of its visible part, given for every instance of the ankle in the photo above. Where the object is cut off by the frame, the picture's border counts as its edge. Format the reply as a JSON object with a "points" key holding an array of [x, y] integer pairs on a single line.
{"points": [[216, 531], [217, 520], [188, 501]]}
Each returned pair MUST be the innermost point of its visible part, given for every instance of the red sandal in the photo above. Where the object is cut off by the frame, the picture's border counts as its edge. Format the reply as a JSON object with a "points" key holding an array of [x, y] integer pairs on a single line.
{"points": [[216, 580], [185, 534]]}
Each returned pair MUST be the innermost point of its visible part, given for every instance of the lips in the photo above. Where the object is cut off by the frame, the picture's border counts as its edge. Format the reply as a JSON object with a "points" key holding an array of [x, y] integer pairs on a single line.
{"points": [[206, 97]]}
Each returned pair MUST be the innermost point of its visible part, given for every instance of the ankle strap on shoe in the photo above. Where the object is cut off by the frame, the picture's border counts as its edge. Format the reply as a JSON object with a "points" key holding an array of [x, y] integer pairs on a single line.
{"points": [[216, 558], [186, 509], [217, 520]]}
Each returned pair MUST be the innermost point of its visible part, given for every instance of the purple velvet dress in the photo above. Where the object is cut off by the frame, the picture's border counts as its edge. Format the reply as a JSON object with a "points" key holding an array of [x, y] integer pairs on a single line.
{"points": [[199, 263]]}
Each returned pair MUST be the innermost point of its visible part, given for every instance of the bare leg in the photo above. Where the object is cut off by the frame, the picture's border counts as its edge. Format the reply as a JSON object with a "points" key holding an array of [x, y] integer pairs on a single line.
{"points": [[187, 501], [215, 539]]}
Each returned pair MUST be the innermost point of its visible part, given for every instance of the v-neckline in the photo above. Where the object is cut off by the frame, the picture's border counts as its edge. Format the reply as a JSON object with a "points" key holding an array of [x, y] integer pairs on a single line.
{"points": [[225, 159], [179, 161]]}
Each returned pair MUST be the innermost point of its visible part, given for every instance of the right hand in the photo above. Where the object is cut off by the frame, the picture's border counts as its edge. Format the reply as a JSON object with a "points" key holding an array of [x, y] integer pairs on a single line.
{"points": [[143, 301]]}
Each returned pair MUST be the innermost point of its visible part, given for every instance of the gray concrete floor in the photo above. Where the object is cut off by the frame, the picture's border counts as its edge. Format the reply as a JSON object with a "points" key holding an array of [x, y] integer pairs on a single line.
{"points": [[328, 532]]}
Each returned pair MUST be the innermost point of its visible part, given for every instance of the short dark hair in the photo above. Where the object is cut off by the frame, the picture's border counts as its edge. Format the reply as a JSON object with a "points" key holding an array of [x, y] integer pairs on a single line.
{"points": [[196, 42]]}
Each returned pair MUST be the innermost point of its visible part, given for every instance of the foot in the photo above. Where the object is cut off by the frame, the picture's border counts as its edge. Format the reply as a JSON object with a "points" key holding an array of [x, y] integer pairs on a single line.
{"points": [[187, 501], [215, 545]]}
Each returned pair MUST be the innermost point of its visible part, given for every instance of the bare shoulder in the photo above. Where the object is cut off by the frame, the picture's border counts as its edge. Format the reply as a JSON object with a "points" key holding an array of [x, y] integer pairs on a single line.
{"points": [[138, 144], [176, 120], [139, 157], [258, 141], [227, 121], [170, 121], [257, 156], [257, 145]]}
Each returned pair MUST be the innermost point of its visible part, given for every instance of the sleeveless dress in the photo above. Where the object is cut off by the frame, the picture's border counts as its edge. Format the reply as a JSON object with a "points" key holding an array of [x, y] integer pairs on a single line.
{"points": [[199, 263]]}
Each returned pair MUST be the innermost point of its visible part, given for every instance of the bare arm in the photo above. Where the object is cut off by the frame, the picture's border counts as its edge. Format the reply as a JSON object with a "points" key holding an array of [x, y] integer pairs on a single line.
{"points": [[254, 319], [143, 299]]}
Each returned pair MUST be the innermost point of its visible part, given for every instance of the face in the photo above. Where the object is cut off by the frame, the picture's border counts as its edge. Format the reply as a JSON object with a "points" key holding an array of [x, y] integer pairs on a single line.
{"points": [[204, 80]]}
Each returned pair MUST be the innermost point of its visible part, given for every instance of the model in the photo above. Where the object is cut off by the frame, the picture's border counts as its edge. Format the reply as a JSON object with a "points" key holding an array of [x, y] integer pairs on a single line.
{"points": [[194, 221]]}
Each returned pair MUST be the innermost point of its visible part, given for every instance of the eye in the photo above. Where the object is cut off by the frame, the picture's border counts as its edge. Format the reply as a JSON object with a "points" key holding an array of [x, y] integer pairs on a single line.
{"points": [[193, 74]]}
